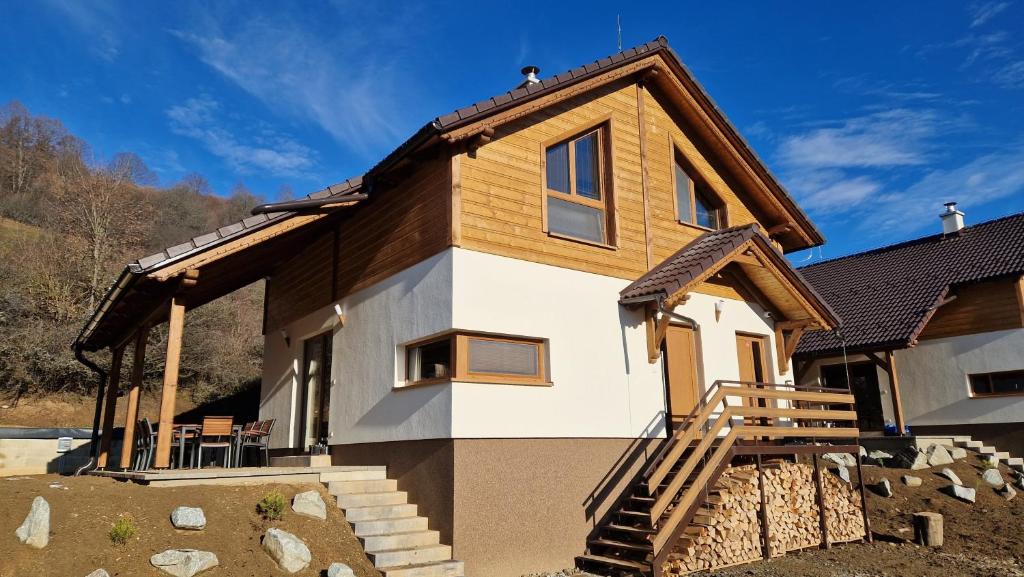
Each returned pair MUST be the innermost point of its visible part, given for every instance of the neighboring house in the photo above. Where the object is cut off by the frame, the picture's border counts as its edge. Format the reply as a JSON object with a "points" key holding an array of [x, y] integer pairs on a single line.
{"points": [[933, 331], [511, 308]]}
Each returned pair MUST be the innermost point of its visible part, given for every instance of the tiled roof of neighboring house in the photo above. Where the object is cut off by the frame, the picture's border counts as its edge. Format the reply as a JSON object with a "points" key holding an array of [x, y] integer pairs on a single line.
{"points": [[688, 263], [886, 296]]}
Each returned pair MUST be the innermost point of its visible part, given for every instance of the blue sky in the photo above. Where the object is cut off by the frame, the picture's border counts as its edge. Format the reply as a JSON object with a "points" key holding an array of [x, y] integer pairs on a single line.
{"points": [[871, 113]]}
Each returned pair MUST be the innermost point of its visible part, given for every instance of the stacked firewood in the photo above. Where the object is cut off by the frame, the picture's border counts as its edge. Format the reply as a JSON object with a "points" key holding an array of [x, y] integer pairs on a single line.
{"points": [[727, 528]]}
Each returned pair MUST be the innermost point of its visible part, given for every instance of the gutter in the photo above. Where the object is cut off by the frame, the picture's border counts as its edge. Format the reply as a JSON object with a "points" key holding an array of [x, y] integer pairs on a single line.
{"points": [[101, 390], [294, 205]]}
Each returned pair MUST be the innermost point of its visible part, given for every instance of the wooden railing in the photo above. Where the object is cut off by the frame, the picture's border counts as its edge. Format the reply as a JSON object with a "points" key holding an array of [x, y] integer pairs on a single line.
{"points": [[712, 423]]}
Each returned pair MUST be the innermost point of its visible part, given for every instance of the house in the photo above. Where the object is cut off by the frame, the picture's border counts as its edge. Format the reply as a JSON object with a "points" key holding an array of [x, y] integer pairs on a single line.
{"points": [[933, 332], [516, 307]]}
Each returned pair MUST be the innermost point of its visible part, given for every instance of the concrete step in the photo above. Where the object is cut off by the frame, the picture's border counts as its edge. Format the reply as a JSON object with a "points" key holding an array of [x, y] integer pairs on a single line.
{"points": [[374, 543], [972, 445], [411, 556], [370, 486], [364, 475], [440, 569], [386, 526], [1015, 462], [354, 514], [1001, 455], [301, 461], [347, 500]]}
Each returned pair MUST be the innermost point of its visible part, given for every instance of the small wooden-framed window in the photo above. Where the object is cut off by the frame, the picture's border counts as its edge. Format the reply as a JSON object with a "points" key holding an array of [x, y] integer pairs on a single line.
{"points": [[577, 195], [695, 203], [478, 358], [997, 384]]}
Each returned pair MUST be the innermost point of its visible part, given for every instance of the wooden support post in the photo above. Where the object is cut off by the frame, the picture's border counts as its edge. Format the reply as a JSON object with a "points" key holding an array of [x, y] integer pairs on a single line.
{"points": [[894, 388], [863, 499], [132, 413], [766, 544], [825, 543], [110, 407], [176, 325]]}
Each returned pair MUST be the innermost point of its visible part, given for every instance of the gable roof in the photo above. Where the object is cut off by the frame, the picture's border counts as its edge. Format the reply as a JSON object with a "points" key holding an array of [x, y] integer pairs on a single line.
{"points": [[886, 296]]}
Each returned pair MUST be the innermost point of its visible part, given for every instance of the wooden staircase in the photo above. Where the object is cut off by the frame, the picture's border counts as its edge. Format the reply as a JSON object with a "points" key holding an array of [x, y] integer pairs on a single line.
{"points": [[657, 512]]}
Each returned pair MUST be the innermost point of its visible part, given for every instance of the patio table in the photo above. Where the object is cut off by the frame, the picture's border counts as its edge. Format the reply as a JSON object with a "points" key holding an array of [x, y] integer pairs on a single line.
{"points": [[183, 429]]}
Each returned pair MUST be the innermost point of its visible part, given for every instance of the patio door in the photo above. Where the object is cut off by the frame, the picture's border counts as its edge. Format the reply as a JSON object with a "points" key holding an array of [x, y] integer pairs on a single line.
{"points": [[316, 391]]}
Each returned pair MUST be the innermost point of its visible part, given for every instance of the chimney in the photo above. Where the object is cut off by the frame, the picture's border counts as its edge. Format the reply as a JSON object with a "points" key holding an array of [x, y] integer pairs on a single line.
{"points": [[530, 72], [952, 219]]}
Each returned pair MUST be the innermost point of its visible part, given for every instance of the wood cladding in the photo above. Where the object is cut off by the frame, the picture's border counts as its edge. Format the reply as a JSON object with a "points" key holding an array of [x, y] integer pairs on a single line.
{"points": [[397, 228], [978, 308]]}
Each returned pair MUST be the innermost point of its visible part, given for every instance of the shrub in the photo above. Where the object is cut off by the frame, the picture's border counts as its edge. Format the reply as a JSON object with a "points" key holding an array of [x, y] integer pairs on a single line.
{"points": [[271, 506], [122, 531]]}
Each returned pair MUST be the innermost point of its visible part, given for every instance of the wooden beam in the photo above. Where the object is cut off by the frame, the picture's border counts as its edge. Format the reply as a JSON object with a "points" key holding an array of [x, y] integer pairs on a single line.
{"points": [[1020, 299], [793, 341], [894, 388], [785, 345], [110, 406], [132, 412], [175, 328], [642, 124], [748, 259]]}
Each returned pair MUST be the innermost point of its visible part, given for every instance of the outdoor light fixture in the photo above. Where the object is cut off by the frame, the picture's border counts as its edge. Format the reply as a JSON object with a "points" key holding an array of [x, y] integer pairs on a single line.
{"points": [[287, 340], [719, 307], [340, 313]]}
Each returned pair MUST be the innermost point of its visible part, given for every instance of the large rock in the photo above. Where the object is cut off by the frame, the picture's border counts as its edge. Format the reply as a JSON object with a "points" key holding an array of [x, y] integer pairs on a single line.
{"points": [[844, 459], [841, 472], [183, 562], [35, 531], [884, 487], [957, 453], [310, 504], [879, 455], [910, 458], [938, 456], [992, 477], [963, 493], [189, 518], [99, 573], [911, 481], [290, 553], [1008, 492], [949, 474], [340, 570]]}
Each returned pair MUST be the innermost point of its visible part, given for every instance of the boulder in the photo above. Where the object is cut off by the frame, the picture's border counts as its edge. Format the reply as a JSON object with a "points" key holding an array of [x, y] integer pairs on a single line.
{"points": [[1008, 492], [310, 504], [992, 477], [963, 493], [1020, 482], [862, 451], [340, 570], [949, 474], [189, 518], [910, 458], [841, 472], [183, 562], [879, 455], [938, 456], [911, 481], [99, 573], [35, 531], [957, 453], [290, 553], [844, 459], [884, 487]]}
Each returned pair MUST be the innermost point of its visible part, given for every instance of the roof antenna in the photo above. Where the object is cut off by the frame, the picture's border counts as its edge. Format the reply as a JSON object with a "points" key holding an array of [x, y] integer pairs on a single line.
{"points": [[618, 26]]}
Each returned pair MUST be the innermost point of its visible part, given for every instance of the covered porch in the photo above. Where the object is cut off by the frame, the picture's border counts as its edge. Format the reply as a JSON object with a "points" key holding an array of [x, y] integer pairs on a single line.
{"points": [[163, 288]]}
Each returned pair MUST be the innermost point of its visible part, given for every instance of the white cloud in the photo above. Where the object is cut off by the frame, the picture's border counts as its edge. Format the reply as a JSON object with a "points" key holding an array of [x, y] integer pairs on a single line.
{"points": [[98, 20], [267, 151], [983, 12]]}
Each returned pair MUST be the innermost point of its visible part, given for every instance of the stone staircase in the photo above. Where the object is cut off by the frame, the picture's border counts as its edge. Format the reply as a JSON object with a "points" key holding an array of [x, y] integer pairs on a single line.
{"points": [[966, 442], [394, 537]]}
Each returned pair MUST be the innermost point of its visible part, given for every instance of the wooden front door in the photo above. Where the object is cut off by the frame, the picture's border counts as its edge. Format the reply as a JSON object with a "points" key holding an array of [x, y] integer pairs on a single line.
{"points": [[680, 373], [750, 351]]}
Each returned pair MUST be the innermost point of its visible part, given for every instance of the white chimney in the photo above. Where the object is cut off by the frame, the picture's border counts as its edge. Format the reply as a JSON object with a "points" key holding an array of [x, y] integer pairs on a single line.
{"points": [[530, 72], [952, 219]]}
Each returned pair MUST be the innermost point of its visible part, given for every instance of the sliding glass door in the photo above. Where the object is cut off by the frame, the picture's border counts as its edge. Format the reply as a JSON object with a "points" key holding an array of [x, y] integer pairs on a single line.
{"points": [[316, 391]]}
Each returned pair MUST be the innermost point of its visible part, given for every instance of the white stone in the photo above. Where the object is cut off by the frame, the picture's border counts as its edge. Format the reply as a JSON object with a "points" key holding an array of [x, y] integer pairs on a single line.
{"points": [[911, 481], [992, 477], [862, 451], [290, 553], [841, 472], [910, 459], [949, 474], [884, 488], [1008, 492], [99, 573], [938, 456], [183, 562], [957, 453], [190, 518], [879, 455], [35, 531], [310, 504], [340, 570], [843, 459], [963, 493]]}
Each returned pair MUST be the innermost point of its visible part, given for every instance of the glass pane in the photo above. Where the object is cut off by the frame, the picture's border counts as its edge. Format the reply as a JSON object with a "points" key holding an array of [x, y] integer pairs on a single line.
{"points": [[707, 213], [980, 384], [313, 354], [558, 167], [683, 195], [430, 361], [503, 358], [575, 220], [1009, 382], [588, 178]]}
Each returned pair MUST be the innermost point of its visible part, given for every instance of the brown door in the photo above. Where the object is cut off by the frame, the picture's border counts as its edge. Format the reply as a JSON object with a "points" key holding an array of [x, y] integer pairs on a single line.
{"points": [[750, 350], [680, 372]]}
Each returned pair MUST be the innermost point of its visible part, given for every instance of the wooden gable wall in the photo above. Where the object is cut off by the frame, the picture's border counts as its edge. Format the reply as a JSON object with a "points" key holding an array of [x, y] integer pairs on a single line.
{"points": [[978, 308]]}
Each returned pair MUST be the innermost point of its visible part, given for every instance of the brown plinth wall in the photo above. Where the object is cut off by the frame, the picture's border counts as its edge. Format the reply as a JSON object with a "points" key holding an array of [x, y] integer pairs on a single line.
{"points": [[509, 506]]}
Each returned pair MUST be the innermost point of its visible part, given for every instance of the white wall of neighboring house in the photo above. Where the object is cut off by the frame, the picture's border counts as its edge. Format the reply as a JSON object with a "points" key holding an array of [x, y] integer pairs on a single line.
{"points": [[602, 384]]}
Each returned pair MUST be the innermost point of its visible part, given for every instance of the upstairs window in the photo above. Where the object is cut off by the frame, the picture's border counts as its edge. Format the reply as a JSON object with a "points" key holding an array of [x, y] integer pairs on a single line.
{"points": [[576, 200], [695, 203], [1001, 383]]}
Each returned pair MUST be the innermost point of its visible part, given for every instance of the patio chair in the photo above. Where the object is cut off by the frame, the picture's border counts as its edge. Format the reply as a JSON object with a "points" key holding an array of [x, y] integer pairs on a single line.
{"points": [[145, 440], [183, 439], [216, 433], [258, 437], [248, 429]]}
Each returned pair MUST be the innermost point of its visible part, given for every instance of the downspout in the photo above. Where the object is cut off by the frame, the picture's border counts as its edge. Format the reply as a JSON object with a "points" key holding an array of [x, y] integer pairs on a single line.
{"points": [[101, 389]]}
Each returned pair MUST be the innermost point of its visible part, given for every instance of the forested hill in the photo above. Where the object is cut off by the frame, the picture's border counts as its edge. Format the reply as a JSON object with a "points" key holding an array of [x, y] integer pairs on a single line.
{"points": [[69, 223]]}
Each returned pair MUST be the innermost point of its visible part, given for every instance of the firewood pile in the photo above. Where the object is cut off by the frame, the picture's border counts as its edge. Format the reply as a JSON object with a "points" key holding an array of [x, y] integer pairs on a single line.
{"points": [[726, 530]]}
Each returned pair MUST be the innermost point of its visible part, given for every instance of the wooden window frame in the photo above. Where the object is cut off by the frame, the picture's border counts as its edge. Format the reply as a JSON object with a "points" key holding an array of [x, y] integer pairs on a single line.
{"points": [[679, 159], [976, 395], [604, 126], [459, 361]]}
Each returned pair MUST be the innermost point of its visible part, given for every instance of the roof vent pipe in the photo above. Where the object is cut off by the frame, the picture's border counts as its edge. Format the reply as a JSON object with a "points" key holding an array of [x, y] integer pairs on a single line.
{"points": [[530, 72], [952, 219]]}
